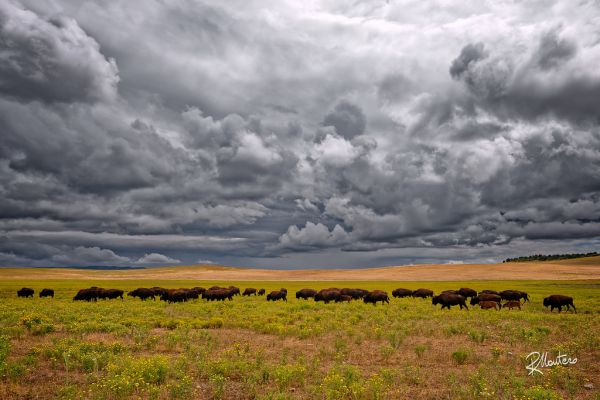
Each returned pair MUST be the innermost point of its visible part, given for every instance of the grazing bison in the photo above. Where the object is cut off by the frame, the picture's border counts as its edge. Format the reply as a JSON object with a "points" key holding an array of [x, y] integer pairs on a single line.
{"points": [[158, 291], [327, 295], [559, 301], [449, 299], [354, 293], [277, 295], [142, 293], [47, 293], [220, 294], [249, 291], [467, 292], [306, 293], [110, 294], [25, 292], [261, 292], [375, 296], [489, 292], [513, 295], [485, 297], [486, 305], [512, 304], [234, 290], [343, 297], [422, 293], [400, 292], [174, 296], [90, 294]]}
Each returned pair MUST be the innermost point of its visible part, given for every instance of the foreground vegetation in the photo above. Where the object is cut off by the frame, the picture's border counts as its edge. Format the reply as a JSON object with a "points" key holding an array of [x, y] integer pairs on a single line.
{"points": [[250, 348]]}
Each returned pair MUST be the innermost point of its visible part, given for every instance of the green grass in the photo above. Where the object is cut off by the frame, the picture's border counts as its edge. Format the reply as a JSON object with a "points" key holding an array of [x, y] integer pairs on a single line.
{"points": [[251, 348]]}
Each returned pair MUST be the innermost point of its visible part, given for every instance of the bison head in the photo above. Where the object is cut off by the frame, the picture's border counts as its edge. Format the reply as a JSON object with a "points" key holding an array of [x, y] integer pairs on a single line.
{"points": [[546, 302]]}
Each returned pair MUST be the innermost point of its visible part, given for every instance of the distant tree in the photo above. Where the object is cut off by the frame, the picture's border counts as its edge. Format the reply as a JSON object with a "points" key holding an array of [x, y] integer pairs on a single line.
{"points": [[550, 257]]}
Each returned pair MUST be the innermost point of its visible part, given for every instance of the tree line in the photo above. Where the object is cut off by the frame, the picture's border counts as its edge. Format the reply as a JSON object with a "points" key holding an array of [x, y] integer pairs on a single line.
{"points": [[550, 257]]}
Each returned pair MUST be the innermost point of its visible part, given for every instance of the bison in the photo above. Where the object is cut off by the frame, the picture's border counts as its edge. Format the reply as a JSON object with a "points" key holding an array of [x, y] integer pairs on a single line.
{"points": [[277, 295], [90, 294], [467, 292], [174, 296], [449, 299], [375, 296], [422, 293], [306, 293], [249, 292], [47, 293], [220, 294], [25, 292], [400, 292], [234, 290], [485, 297], [261, 292], [142, 293], [110, 294], [559, 301], [327, 295], [158, 291], [354, 293], [343, 297], [486, 305], [512, 304]]}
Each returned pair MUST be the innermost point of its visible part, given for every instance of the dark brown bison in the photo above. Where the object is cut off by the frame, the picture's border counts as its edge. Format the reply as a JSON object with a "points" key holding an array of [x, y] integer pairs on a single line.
{"points": [[449, 291], [486, 305], [354, 293], [220, 294], [514, 295], [25, 292], [449, 299], [467, 292], [512, 304], [261, 292], [489, 292], [110, 294], [142, 293], [343, 297], [375, 296], [327, 295], [306, 293], [277, 295], [235, 291], [90, 294], [47, 293], [400, 292], [422, 293], [249, 292], [174, 296], [158, 291], [559, 301], [485, 297]]}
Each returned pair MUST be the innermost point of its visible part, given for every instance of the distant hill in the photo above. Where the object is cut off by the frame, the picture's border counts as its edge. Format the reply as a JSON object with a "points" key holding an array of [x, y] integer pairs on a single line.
{"points": [[100, 267], [551, 257]]}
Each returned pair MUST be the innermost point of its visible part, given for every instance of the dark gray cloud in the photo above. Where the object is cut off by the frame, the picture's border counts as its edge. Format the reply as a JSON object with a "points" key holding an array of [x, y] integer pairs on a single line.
{"points": [[296, 135]]}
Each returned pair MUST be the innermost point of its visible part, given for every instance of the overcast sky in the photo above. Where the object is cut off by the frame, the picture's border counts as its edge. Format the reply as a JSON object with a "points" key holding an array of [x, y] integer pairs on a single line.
{"points": [[297, 133]]}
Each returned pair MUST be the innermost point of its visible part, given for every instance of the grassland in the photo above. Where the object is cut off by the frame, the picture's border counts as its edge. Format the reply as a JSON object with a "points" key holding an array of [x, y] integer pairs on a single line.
{"points": [[252, 349]]}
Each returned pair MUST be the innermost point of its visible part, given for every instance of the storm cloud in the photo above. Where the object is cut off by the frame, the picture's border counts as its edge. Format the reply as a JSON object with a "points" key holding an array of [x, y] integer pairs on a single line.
{"points": [[297, 134]]}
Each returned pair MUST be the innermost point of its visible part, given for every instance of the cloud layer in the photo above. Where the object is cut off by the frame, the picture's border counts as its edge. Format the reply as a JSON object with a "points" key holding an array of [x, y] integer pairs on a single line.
{"points": [[303, 134]]}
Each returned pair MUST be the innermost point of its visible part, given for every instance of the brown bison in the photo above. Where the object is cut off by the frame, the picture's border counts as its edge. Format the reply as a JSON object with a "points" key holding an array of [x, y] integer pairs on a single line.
{"points": [[422, 293], [485, 297], [354, 293], [261, 292], [306, 293], [234, 290], [175, 296], [327, 295], [514, 295], [486, 305], [400, 292], [158, 291], [449, 291], [220, 294], [277, 295], [343, 297], [512, 304], [47, 293], [90, 294], [467, 292], [559, 301], [449, 299], [142, 293], [25, 292], [249, 291], [110, 294], [375, 296]]}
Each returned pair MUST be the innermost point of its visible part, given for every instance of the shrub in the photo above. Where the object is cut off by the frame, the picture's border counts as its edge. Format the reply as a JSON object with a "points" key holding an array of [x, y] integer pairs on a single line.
{"points": [[460, 356]]}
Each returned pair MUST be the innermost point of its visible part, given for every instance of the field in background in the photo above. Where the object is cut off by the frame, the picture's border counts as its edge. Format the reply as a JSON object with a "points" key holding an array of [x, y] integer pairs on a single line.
{"points": [[574, 269], [249, 348]]}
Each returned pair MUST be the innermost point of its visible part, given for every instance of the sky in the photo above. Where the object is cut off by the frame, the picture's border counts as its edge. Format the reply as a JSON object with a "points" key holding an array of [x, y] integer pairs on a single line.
{"points": [[297, 134]]}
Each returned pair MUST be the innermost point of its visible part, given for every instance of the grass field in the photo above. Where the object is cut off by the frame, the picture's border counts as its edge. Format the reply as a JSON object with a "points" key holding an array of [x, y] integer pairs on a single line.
{"points": [[250, 348]]}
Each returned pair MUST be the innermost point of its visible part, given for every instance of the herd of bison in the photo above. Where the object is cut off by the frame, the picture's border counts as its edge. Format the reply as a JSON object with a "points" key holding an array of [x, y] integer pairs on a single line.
{"points": [[486, 299]]}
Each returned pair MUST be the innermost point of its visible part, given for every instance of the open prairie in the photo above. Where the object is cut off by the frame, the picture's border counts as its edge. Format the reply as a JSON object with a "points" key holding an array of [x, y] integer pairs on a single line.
{"points": [[249, 348]]}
